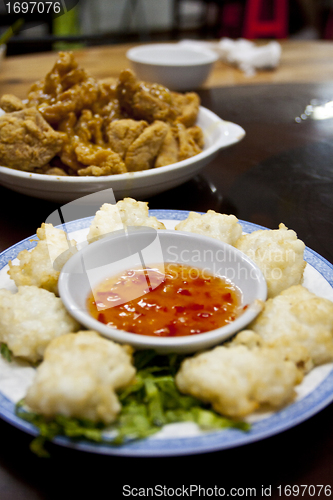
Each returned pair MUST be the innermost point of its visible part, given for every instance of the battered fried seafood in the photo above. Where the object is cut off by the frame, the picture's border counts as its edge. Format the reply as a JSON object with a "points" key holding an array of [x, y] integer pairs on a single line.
{"points": [[238, 379], [87, 127], [27, 141], [279, 255], [142, 153], [41, 266], [79, 376], [66, 88], [121, 134], [30, 319], [127, 212], [10, 103], [220, 226], [298, 319], [101, 161]]}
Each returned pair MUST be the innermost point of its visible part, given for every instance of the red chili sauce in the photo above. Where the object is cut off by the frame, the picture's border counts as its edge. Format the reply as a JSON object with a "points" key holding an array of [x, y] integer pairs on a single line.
{"points": [[180, 301]]}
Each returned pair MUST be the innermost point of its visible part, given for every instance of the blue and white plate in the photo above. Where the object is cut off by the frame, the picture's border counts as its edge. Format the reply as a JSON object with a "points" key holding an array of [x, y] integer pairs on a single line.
{"points": [[313, 394]]}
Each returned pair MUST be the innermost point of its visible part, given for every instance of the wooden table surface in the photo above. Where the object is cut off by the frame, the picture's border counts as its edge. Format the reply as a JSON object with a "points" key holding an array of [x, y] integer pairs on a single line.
{"points": [[301, 61], [282, 171]]}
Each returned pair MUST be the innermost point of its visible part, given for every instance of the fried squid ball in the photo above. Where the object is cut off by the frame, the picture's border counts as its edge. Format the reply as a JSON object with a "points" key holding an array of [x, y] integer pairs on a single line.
{"points": [[79, 376], [237, 379], [279, 255], [298, 318], [127, 212], [42, 265], [30, 319], [220, 226]]}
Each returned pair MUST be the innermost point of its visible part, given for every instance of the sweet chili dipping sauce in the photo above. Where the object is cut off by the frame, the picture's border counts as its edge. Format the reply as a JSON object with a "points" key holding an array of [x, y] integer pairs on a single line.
{"points": [[180, 301]]}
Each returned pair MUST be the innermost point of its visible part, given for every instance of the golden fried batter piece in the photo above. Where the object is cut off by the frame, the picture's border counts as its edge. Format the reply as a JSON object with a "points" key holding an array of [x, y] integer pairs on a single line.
{"points": [[126, 212], [66, 88], [67, 154], [51, 86], [220, 226], [74, 99], [169, 151], [121, 134], [188, 107], [37, 267], [99, 161], [297, 317], [30, 319], [278, 253], [239, 379], [26, 140], [197, 135], [107, 104], [143, 151], [89, 128], [56, 171], [79, 377], [187, 145], [144, 101], [10, 103]]}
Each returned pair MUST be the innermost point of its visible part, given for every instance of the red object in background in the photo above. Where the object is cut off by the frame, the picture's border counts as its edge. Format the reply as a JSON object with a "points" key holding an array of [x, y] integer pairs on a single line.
{"points": [[232, 19], [266, 19], [328, 32]]}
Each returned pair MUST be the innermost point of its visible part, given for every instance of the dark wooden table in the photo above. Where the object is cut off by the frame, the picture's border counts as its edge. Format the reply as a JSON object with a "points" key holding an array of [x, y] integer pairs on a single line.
{"points": [[281, 172]]}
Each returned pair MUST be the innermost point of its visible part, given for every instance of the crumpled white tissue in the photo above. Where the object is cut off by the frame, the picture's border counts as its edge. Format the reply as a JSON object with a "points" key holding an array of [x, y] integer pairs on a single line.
{"points": [[244, 54]]}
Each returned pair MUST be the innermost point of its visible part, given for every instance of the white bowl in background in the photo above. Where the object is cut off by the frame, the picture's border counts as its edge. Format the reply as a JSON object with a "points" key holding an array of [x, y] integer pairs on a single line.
{"points": [[175, 66], [218, 134], [122, 251]]}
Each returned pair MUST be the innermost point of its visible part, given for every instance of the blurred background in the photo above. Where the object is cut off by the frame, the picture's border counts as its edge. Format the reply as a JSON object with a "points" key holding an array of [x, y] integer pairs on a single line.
{"points": [[100, 22]]}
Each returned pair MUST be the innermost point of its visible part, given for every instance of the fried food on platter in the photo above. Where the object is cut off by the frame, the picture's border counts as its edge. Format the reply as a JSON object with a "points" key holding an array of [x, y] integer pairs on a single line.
{"points": [[101, 161], [297, 317], [79, 376], [144, 101], [126, 212], [238, 379], [30, 319], [278, 253], [188, 147], [26, 140], [144, 149], [187, 106], [169, 150], [98, 128], [122, 133], [220, 226], [66, 88], [258, 368], [37, 266], [152, 101], [10, 103]]}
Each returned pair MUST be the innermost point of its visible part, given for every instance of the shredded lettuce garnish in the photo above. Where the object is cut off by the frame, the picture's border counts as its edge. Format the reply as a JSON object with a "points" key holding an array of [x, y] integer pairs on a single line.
{"points": [[149, 403], [5, 352]]}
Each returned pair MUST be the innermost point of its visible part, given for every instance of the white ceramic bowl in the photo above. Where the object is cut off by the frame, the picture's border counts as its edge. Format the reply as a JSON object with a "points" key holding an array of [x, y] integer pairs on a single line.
{"points": [[218, 134], [175, 66], [121, 251]]}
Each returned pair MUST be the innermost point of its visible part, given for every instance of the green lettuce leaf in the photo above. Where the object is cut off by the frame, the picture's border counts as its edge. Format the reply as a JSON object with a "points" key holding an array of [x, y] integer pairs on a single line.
{"points": [[6, 352], [150, 402]]}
